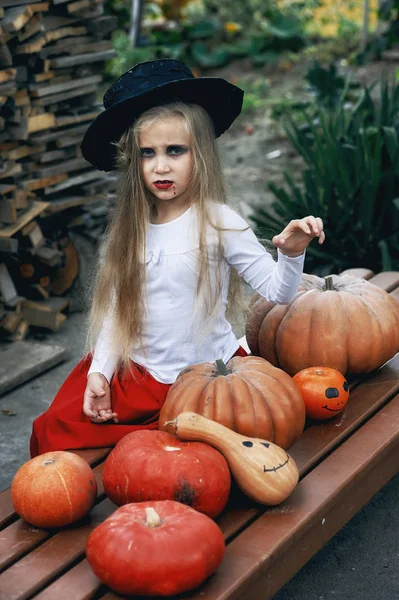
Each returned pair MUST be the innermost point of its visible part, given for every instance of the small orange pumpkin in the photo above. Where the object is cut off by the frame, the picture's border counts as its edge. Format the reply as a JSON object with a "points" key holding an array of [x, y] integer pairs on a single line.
{"points": [[325, 391], [247, 395]]}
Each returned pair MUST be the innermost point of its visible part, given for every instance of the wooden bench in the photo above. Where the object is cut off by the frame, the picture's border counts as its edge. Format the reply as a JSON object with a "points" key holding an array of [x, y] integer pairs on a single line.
{"points": [[342, 463]]}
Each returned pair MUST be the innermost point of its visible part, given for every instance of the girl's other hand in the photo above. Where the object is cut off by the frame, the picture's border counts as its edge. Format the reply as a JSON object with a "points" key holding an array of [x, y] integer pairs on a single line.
{"points": [[295, 238], [97, 399]]}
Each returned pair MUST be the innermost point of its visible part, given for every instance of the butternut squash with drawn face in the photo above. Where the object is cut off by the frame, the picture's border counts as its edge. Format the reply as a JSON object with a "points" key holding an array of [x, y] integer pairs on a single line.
{"points": [[263, 471]]}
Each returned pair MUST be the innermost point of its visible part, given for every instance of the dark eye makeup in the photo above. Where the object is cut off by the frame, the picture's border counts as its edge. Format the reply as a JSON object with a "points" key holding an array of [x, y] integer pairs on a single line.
{"points": [[175, 150]]}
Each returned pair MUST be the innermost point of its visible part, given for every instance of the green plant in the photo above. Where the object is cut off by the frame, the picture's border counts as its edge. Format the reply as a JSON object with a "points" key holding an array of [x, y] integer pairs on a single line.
{"points": [[350, 180]]}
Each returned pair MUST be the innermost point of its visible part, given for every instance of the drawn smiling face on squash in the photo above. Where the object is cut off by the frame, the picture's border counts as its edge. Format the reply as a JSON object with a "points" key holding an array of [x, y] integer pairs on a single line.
{"points": [[325, 391], [272, 461]]}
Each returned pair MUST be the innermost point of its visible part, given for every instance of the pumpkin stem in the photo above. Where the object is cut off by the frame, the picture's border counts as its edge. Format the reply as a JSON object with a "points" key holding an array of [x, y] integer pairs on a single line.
{"points": [[329, 283], [221, 367], [152, 518]]}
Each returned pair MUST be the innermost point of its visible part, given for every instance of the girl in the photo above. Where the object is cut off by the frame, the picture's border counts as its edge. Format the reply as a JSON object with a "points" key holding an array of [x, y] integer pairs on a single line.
{"points": [[164, 281]]}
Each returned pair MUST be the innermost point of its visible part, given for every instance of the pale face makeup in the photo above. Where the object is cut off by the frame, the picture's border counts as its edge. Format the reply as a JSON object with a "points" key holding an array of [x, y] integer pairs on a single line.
{"points": [[167, 166]]}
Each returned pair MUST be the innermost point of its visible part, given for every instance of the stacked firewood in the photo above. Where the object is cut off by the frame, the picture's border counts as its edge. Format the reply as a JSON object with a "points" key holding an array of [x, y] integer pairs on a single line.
{"points": [[52, 57]]}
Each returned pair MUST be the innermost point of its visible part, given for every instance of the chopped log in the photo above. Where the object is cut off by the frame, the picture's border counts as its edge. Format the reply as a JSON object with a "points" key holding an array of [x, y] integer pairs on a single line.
{"points": [[10, 168], [11, 321], [15, 18], [72, 181], [80, 59], [6, 188], [8, 210], [61, 204], [57, 34], [38, 91], [35, 210], [8, 75], [21, 331], [21, 199], [53, 155], [41, 138], [40, 122], [9, 245], [43, 314], [40, 77], [67, 274], [5, 3], [49, 256], [5, 56], [73, 7], [56, 98], [34, 45], [22, 98], [37, 184], [8, 88], [32, 27], [63, 121], [7, 288], [103, 25], [33, 234], [75, 164], [24, 151]]}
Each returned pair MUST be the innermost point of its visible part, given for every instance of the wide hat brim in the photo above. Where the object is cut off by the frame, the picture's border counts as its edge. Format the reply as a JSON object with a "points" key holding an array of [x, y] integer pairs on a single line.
{"points": [[222, 101]]}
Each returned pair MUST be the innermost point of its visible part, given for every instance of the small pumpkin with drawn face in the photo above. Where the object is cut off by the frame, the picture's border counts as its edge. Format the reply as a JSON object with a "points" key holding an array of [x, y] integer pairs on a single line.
{"points": [[325, 391]]}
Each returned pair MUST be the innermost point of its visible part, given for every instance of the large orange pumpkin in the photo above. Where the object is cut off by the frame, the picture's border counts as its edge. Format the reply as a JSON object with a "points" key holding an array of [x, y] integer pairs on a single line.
{"points": [[53, 489], [342, 322], [248, 395]]}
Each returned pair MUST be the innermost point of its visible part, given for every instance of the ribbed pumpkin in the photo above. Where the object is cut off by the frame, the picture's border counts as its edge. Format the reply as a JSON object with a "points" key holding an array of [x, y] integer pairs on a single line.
{"points": [[248, 395], [342, 322]]}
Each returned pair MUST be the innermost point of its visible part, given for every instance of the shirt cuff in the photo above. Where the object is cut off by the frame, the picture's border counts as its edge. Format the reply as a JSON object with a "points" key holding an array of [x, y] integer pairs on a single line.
{"points": [[107, 369], [296, 259]]}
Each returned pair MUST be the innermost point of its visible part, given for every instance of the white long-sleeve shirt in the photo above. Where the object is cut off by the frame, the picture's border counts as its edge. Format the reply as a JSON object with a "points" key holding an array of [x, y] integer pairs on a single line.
{"points": [[176, 334]]}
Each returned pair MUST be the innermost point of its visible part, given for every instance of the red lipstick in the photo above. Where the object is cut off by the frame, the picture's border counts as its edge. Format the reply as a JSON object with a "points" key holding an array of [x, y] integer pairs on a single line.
{"points": [[163, 185]]}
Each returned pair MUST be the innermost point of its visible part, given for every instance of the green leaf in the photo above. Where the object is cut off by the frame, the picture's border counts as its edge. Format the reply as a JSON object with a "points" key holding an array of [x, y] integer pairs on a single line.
{"points": [[385, 256], [391, 140], [202, 30], [209, 59]]}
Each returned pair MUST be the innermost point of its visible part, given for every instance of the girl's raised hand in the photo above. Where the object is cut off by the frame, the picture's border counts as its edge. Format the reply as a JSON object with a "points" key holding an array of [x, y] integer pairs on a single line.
{"points": [[295, 238], [97, 399]]}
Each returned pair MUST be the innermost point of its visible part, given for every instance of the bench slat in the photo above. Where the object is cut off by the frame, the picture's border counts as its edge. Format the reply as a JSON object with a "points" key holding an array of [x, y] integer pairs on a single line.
{"points": [[358, 272], [50, 559], [80, 582], [271, 550], [387, 280]]}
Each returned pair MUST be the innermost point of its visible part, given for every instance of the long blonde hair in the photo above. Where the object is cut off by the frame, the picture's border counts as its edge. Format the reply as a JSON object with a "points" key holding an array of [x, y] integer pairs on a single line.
{"points": [[119, 285]]}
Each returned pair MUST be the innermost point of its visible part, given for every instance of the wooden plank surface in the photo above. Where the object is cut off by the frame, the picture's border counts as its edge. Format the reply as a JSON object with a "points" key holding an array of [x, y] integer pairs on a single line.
{"points": [[23, 360]]}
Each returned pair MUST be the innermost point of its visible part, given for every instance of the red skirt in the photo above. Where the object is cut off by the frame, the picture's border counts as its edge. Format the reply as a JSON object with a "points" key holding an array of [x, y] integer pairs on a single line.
{"points": [[136, 401]]}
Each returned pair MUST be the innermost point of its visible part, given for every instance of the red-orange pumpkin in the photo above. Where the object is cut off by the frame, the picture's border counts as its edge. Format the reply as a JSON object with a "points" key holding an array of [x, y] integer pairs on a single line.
{"points": [[248, 395], [155, 549], [53, 489], [325, 391], [154, 465], [342, 322]]}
